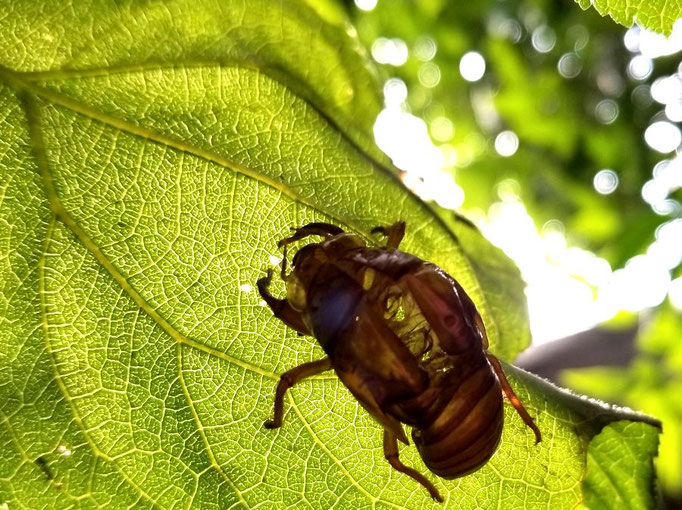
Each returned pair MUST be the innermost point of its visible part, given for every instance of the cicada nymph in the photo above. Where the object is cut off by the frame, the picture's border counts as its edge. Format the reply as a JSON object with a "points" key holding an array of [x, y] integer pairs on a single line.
{"points": [[404, 338]]}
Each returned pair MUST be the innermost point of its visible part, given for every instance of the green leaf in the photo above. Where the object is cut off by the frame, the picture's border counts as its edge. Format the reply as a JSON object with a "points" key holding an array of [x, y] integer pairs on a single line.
{"points": [[151, 156], [657, 15], [620, 471], [652, 382]]}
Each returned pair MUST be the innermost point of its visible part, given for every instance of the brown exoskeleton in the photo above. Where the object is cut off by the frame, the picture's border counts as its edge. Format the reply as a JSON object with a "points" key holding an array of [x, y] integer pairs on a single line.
{"points": [[405, 339]]}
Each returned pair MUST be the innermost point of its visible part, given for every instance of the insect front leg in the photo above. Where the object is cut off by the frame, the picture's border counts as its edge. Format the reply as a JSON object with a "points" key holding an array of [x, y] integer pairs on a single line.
{"points": [[394, 234], [513, 398], [288, 379], [311, 229], [391, 455], [281, 307]]}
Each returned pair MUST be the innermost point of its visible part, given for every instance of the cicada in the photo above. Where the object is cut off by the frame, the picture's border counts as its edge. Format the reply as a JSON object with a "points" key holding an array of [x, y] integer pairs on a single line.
{"points": [[404, 338]]}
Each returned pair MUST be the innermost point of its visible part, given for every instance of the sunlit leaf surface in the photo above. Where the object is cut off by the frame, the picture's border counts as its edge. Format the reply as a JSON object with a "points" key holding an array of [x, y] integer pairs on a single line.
{"points": [[617, 477], [657, 15], [652, 382], [151, 155]]}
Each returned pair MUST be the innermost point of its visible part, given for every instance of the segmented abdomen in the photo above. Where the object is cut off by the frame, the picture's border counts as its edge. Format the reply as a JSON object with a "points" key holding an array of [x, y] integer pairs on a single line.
{"points": [[467, 431]]}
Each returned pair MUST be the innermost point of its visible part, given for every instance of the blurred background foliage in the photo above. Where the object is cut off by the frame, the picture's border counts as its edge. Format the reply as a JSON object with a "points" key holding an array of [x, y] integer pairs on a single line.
{"points": [[556, 131]]}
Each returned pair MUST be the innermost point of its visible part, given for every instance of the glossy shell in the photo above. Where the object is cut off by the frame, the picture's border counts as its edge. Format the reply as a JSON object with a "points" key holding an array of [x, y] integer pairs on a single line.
{"points": [[425, 368], [405, 339]]}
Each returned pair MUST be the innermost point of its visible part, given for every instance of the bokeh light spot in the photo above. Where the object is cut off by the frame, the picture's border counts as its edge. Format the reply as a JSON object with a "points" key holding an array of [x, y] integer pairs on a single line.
{"points": [[543, 39], [395, 92], [640, 67], [580, 35], [641, 96], [506, 143], [442, 128], [472, 66], [663, 136], [502, 27], [631, 39], [667, 207], [508, 190], [606, 111], [425, 48], [390, 51], [654, 192], [667, 89], [405, 139], [605, 181], [429, 74], [366, 5], [553, 226], [569, 65], [641, 284], [673, 111], [610, 82]]}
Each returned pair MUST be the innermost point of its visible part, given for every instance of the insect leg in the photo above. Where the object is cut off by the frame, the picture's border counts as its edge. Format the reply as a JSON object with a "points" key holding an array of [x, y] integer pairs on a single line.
{"points": [[513, 398], [280, 307], [312, 229], [288, 379], [391, 455], [394, 233], [283, 271]]}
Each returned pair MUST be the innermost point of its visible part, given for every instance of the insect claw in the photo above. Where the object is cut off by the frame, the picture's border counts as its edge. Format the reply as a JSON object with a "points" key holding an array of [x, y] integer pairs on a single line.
{"points": [[394, 233], [265, 280], [536, 430], [269, 424]]}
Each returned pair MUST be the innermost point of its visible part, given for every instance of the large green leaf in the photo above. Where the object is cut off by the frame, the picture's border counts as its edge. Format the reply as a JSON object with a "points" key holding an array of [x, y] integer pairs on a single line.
{"points": [[657, 15], [151, 155], [618, 475], [652, 382]]}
